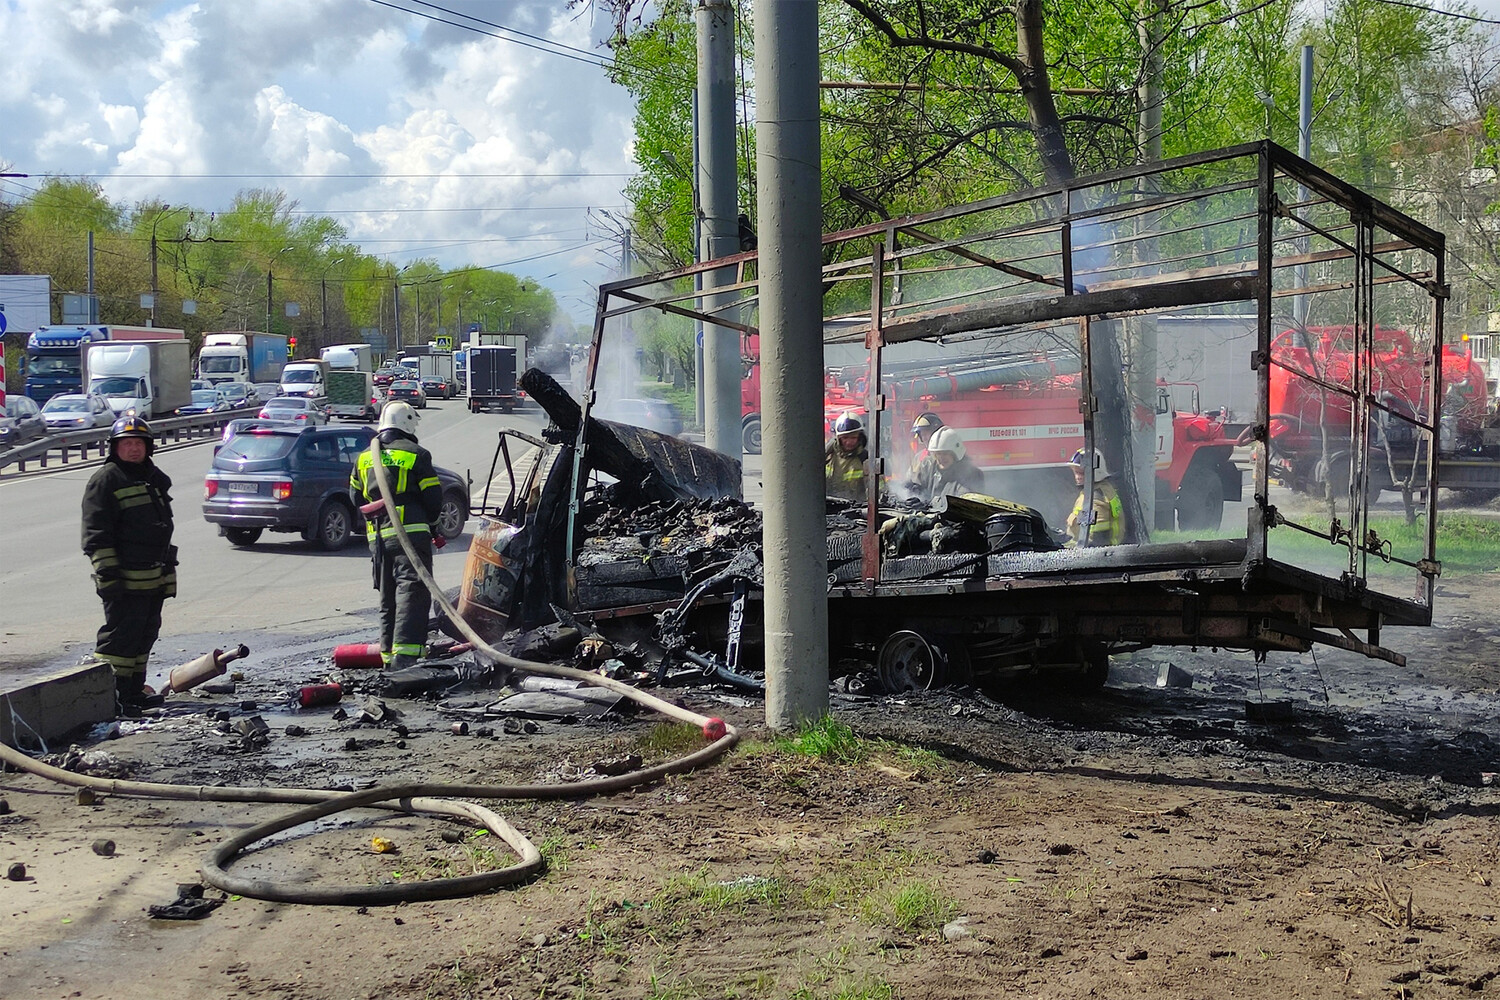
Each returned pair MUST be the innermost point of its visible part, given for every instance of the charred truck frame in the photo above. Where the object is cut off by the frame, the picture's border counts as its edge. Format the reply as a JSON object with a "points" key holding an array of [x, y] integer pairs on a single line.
{"points": [[1077, 275]]}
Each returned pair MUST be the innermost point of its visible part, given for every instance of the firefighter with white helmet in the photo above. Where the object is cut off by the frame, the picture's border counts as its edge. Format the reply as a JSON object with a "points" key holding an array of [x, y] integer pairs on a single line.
{"points": [[127, 535], [1104, 522], [955, 472], [404, 598], [845, 456]]}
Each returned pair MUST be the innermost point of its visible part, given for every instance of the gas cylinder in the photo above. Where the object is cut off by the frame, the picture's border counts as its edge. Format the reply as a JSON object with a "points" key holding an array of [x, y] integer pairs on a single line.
{"points": [[357, 654]]}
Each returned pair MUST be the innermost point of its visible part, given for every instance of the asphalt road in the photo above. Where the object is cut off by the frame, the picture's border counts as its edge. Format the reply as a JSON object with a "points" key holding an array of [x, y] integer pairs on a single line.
{"points": [[278, 589]]}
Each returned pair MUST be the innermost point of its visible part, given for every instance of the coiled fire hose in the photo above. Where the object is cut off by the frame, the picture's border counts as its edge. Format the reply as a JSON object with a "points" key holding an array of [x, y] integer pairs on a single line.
{"points": [[414, 797]]}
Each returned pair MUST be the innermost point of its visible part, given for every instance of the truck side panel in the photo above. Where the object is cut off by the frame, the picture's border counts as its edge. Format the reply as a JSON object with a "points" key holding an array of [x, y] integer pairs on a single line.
{"points": [[267, 357]]}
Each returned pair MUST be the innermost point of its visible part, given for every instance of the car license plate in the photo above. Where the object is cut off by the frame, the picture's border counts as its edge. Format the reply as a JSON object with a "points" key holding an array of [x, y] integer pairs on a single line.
{"points": [[244, 488]]}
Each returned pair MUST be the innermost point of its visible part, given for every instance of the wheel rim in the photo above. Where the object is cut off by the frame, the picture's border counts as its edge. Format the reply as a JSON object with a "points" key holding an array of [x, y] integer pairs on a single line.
{"points": [[752, 437], [906, 663], [450, 518], [335, 525]]}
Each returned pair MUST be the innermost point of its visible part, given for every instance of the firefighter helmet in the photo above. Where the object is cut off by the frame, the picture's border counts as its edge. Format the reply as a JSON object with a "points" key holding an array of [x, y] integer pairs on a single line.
{"points": [[1101, 467], [946, 439], [132, 426], [399, 416], [848, 423], [929, 422]]}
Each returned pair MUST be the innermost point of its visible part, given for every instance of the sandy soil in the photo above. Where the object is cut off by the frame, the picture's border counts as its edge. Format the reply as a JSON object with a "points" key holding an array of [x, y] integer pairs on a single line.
{"points": [[1142, 842]]}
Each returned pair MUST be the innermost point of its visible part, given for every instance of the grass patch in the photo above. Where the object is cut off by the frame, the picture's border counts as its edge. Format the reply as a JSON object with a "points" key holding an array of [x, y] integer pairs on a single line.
{"points": [[911, 907], [669, 739], [828, 740], [848, 881], [862, 989], [705, 894]]}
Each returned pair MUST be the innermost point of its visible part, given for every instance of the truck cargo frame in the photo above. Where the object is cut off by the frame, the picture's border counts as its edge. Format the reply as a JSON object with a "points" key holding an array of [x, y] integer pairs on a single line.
{"points": [[1249, 226]]}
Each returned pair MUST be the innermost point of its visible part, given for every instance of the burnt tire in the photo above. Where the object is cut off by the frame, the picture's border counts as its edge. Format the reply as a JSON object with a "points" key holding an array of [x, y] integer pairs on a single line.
{"points": [[332, 526], [750, 436], [240, 537], [450, 519], [1200, 500]]}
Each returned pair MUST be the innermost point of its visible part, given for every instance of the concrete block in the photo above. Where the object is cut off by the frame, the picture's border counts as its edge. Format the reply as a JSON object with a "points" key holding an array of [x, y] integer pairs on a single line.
{"points": [[51, 707], [1170, 675]]}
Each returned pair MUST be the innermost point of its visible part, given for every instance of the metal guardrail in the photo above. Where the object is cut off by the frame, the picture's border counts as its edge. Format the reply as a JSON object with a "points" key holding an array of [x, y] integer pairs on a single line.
{"points": [[93, 444]]}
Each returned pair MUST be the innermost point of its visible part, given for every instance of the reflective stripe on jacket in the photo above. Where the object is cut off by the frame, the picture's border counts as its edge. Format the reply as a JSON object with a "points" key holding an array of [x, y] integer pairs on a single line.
{"points": [[1108, 517], [419, 494], [127, 528]]}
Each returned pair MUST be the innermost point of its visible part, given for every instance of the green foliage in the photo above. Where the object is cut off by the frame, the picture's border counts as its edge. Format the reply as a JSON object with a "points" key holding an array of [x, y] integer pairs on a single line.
{"points": [[827, 740], [225, 261], [911, 907]]}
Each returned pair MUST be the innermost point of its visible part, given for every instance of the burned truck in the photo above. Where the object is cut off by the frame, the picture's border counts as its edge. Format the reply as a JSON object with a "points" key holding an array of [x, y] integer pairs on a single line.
{"points": [[611, 523]]}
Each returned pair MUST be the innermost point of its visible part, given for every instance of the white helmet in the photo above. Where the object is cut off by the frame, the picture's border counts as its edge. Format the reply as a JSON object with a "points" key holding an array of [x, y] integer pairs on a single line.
{"points": [[1101, 467], [399, 416], [947, 439]]}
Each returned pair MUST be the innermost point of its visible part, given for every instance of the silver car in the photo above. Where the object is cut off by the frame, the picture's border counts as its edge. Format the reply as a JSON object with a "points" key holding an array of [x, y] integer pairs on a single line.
{"points": [[75, 411]]}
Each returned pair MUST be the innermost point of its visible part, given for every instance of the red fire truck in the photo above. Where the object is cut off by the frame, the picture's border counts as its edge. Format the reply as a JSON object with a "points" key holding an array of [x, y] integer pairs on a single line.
{"points": [[1310, 425]]}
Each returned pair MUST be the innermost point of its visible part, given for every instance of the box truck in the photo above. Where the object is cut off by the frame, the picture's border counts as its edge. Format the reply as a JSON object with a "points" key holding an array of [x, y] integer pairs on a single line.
{"points": [[54, 354], [351, 393], [151, 377], [492, 378], [305, 378], [242, 356], [438, 366], [352, 357]]}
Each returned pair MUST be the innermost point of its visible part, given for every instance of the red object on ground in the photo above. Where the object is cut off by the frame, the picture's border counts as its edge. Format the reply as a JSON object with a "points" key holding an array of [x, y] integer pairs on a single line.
{"points": [[320, 694], [357, 654], [714, 729]]}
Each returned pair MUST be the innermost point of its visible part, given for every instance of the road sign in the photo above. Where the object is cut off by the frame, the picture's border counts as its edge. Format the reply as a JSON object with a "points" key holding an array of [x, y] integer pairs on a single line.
{"points": [[444, 343], [2, 323]]}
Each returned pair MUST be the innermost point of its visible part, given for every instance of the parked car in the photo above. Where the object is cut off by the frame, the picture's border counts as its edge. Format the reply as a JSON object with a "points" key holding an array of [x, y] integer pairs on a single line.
{"points": [[284, 478], [409, 391], [76, 411], [652, 414], [20, 421], [205, 401], [390, 373], [437, 385], [306, 410], [239, 394]]}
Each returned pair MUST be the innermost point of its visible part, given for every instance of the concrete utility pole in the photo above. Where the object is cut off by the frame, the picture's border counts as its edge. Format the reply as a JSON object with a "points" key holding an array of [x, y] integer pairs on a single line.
{"points": [[1304, 150], [719, 198], [788, 158], [1141, 330]]}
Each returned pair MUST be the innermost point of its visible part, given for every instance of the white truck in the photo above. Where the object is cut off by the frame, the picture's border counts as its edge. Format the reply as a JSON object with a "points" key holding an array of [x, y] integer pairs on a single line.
{"points": [[438, 365], [151, 377], [349, 357], [241, 356], [305, 378]]}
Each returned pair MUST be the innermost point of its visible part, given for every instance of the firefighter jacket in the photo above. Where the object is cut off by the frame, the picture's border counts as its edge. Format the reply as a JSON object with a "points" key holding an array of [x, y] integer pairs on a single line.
{"points": [[419, 496], [1107, 516], [963, 476], [845, 470], [127, 529], [919, 477]]}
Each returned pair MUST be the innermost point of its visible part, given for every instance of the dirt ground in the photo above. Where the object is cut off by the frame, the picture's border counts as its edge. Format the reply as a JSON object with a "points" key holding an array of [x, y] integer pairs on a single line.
{"points": [[1144, 841]]}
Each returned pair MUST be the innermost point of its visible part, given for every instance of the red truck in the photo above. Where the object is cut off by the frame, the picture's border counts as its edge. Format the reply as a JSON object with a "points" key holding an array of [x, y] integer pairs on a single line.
{"points": [[1310, 426], [1019, 421]]}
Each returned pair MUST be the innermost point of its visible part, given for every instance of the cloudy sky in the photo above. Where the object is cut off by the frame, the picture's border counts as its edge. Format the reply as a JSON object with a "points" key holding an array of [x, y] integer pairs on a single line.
{"points": [[498, 147]]}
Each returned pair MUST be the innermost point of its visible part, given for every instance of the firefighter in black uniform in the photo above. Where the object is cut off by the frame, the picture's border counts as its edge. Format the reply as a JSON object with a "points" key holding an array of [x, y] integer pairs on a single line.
{"points": [[127, 534], [404, 599]]}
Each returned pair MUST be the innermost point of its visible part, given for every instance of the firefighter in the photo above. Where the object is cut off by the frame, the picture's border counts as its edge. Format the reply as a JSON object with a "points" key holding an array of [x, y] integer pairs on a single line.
{"points": [[1105, 520], [844, 458], [404, 598], [127, 534], [919, 477], [955, 473]]}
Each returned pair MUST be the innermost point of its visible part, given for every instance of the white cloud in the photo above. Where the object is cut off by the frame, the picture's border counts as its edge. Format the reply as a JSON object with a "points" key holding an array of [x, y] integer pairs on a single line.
{"points": [[331, 87]]}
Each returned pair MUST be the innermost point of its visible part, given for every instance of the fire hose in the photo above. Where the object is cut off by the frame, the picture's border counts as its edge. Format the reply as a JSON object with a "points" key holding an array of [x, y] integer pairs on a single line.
{"points": [[410, 797]]}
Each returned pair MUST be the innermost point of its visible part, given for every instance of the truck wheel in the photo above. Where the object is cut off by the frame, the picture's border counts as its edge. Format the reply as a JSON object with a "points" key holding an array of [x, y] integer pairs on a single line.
{"points": [[331, 527], [1200, 500], [750, 436], [907, 662], [240, 537]]}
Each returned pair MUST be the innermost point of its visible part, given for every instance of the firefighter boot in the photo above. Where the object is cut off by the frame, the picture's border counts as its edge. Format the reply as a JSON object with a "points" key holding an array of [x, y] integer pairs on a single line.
{"points": [[132, 696]]}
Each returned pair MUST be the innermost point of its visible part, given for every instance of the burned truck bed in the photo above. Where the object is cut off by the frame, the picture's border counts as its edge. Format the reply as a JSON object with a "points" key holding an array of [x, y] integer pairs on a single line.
{"points": [[619, 524]]}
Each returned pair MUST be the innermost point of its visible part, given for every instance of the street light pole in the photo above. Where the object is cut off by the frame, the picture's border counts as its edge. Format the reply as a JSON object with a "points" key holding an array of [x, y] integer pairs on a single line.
{"points": [[269, 265]]}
